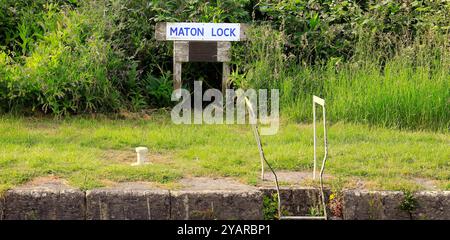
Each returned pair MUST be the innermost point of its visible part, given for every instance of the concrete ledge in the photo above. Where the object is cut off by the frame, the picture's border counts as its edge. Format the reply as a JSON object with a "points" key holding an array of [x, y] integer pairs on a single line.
{"points": [[432, 205], [380, 205], [142, 203], [384, 205], [113, 204], [224, 205], [45, 204]]}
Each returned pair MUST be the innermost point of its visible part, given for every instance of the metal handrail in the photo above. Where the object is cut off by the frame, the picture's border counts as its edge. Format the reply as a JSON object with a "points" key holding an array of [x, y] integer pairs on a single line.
{"points": [[261, 154], [322, 169]]}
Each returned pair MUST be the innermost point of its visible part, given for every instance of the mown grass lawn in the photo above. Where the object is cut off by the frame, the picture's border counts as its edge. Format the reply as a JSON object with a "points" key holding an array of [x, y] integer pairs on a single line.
{"points": [[93, 152]]}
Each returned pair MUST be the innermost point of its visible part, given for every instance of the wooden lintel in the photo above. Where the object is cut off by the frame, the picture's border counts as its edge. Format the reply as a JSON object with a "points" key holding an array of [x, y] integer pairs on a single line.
{"points": [[203, 51]]}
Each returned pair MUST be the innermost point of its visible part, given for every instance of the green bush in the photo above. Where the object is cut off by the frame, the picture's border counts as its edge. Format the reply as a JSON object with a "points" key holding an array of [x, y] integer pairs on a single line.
{"points": [[63, 68]]}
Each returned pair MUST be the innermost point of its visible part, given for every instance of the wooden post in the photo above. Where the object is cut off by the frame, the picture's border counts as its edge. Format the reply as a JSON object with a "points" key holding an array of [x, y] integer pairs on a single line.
{"points": [[225, 77], [176, 75], [223, 55], [180, 55]]}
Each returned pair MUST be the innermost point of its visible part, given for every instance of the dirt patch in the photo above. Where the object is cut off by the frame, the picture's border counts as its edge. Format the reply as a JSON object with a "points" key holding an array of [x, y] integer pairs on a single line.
{"points": [[355, 184], [291, 178], [288, 176], [426, 184], [47, 182], [119, 156], [133, 186], [123, 156], [56, 183], [203, 183]]}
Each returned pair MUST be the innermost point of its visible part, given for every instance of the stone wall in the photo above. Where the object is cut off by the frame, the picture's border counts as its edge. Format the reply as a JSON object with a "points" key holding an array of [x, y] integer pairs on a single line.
{"points": [[386, 205], [103, 204], [32, 204], [146, 204]]}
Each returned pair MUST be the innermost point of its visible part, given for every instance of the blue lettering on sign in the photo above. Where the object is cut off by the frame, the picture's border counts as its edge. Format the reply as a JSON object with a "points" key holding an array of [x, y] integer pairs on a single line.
{"points": [[186, 31], [173, 31], [201, 31], [232, 32], [223, 32]]}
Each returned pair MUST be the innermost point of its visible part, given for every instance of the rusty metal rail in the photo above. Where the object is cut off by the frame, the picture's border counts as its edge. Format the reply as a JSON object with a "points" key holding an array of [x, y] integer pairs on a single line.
{"points": [[316, 100]]}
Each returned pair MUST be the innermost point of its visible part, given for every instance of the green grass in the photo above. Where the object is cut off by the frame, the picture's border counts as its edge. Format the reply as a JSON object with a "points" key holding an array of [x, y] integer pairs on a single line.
{"points": [[91, 152], [401, 95], [409, 90]]}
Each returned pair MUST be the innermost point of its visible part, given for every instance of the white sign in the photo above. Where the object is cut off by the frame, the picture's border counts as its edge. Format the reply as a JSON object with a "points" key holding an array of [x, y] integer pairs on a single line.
{"points": [[203, 31]]}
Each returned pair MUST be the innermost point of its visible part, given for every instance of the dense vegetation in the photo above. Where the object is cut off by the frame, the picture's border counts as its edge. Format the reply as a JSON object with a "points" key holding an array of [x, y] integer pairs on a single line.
{"points": [[381, 62]]}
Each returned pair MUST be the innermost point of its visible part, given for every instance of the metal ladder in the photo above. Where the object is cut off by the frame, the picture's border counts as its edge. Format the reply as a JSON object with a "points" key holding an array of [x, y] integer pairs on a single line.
{"points": [[316, 100]]}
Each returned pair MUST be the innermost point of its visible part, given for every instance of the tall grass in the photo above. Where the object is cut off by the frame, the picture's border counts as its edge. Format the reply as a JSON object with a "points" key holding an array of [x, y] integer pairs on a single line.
{"points": [[409, 89]]}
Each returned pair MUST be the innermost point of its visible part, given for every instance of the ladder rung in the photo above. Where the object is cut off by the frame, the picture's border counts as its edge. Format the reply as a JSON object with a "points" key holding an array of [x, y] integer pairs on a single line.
{"points": [[303, 218]]}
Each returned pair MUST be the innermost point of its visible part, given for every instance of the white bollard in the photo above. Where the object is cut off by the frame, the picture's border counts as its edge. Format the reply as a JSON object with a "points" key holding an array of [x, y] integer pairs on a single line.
{"points": [[141, 156]]}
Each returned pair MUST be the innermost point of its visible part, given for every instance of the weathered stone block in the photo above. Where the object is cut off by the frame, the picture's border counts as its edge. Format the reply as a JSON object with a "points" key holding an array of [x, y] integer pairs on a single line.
{"points": [[224, 205], [377, 205], [46, 204], [297, 201], [110, 204], [432, 205]]}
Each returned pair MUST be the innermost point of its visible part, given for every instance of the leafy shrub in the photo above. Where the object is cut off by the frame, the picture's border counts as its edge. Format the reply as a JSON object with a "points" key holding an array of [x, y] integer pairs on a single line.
{"points": [[270, 207], [159, 89], [65, 68]]}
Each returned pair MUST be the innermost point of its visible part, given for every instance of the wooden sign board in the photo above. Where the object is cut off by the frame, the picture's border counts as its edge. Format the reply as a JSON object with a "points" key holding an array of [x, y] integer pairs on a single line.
{"points": [[219, 32], [194, 51], [201, 42]]}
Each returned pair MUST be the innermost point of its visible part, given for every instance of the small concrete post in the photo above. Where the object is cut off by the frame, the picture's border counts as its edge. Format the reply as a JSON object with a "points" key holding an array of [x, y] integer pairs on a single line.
{"points": [[141, 156]]}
